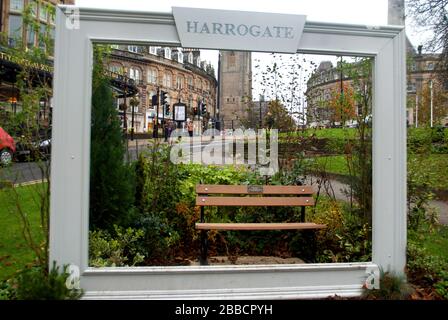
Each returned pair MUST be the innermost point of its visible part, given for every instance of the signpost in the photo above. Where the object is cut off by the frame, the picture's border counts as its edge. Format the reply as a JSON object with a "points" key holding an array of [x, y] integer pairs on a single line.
{"points": [[180, 114]]}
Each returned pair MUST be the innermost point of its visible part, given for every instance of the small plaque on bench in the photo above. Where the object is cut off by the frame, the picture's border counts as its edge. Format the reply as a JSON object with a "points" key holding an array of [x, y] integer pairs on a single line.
{"points": [[254, 189]]}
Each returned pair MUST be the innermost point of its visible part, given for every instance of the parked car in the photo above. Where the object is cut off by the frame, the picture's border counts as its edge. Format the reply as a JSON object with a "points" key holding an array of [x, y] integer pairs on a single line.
{"points": [[35, 148], [7, 148]]}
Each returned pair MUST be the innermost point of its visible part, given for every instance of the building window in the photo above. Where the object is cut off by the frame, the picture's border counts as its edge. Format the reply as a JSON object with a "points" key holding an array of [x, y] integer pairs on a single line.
{"points": [[180, 57], [198, 84], [231, 60], [152, 76], [115, 69], [190, 82], [167, 53], [359, 110], [114, 46], [413, 67], [52, 16], [134, 74], [33, 6], [411, 87], [42, 34], [16, 5], [167, 80], [30, 37], [15, 27], [133, 49], [430, 66], [153, 50], [190, 57], [43, 12], [179, 82]]}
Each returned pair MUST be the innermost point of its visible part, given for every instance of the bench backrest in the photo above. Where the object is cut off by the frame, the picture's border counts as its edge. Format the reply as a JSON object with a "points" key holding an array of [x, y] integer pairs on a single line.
{"points": [[254, 195]]}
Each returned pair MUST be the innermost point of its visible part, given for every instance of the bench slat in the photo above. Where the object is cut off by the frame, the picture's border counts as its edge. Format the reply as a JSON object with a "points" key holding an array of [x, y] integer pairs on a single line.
{"points": [[243, 189], [259, 226], [254, 201]]}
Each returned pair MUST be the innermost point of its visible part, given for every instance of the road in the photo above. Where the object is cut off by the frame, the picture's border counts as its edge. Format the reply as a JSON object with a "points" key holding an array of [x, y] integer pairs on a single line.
{"points": [[23, 172]]}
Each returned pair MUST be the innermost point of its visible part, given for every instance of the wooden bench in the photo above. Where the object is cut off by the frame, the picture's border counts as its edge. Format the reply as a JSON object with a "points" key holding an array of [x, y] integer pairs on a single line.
{"points": [[253, 196]]}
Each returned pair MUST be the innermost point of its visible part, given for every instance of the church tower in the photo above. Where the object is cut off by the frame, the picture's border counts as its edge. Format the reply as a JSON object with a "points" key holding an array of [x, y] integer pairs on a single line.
{"points": [[235, 87]]}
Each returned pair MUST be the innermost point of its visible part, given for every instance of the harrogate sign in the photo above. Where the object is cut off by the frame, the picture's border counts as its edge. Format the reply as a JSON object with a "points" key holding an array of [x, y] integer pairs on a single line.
{"points": [[222, 29]]}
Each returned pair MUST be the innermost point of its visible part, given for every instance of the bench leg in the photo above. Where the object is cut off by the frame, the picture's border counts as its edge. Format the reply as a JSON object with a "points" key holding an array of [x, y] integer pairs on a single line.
{"points": [[204, 243]]}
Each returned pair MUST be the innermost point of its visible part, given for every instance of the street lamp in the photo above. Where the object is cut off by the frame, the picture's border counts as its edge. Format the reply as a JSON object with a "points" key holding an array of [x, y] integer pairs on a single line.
{"points": [[416, 109], [430, 89]]}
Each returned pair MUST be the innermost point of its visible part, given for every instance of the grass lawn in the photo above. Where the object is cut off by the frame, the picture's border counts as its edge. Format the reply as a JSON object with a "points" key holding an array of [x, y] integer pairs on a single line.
{"points": [[431, 167], [337, 133], [435, 242], [14, 253], [332, 164]]}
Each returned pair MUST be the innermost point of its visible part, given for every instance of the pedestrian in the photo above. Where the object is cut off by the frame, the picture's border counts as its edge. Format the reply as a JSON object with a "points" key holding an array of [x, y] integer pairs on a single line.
{"points": [[190, 128], [170, 128]]}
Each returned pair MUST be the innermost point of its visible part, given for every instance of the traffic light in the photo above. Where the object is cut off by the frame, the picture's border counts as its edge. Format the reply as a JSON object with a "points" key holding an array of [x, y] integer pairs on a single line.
{"points": [[164, 98], [204, 108], [167, 108], [154, 100]]}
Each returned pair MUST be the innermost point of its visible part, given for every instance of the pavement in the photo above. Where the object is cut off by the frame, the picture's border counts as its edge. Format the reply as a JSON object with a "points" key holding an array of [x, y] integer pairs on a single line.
{"points": [[337, 188]]}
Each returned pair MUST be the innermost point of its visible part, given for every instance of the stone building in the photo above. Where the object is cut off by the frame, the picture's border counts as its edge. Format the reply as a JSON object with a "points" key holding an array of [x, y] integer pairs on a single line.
{"points": [[235, 91], [179, 72], [21, 36], [421, 76]]}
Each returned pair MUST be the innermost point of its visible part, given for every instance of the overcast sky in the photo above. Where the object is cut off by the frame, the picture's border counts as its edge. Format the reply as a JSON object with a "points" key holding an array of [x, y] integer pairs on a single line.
{"points": [[366, 12], [369, 12]]}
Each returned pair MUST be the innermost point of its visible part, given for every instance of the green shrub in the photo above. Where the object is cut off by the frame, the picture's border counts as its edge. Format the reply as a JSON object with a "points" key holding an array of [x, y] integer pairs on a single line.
{"points": [[419, 140], [428, 140], [35, 284], [6, 290], [442, 285], [121, 249], [347, 237], [419, 184]]}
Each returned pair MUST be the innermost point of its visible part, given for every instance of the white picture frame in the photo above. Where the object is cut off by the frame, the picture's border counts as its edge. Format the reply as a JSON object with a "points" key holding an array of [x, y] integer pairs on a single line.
{"points": [[69, 225]]}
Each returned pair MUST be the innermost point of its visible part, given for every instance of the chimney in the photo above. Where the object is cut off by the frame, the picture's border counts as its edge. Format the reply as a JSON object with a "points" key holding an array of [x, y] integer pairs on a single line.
{"points": [[395, 14]]}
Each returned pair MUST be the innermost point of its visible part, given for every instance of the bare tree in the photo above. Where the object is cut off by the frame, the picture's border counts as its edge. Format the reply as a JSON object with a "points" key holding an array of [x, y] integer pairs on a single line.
{"points": [[433, 15]]}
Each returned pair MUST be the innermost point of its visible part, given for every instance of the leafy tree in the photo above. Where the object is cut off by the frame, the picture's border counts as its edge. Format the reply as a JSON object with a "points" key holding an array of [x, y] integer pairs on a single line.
{"points": [[27, 124], [111, 180], [278, 117], [439, 101], [359, 150], [342, 104]]}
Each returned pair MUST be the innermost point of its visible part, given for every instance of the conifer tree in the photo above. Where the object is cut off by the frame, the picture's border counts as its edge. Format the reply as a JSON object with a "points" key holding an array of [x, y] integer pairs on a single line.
{"points": [[111, 180]]}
